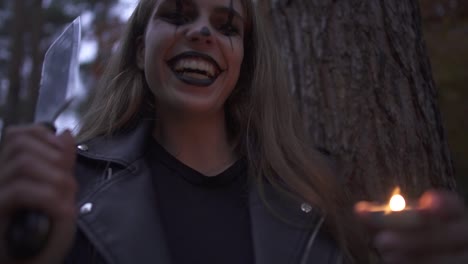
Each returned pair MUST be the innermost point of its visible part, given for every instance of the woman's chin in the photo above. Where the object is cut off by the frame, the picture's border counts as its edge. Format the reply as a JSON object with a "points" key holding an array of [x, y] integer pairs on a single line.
{"points": [[194, 105]]}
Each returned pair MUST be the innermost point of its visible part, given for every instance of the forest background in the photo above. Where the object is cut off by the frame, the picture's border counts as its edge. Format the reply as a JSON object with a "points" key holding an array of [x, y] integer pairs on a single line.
{"points": [[27, 28]]}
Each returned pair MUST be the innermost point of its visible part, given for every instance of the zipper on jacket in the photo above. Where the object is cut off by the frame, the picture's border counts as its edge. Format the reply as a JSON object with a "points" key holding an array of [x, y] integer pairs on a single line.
{"points": [[311, 240], [108, 175]]}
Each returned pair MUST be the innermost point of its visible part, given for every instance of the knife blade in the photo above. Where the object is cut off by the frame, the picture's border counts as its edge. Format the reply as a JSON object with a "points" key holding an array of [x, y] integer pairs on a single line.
{"points": [[29, 230], [59, 73]]}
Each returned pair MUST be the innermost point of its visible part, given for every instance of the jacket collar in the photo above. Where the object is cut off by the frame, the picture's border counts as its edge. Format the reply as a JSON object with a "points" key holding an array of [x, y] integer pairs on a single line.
{"points": [[123, 147], [121, 225], [280, 229]]}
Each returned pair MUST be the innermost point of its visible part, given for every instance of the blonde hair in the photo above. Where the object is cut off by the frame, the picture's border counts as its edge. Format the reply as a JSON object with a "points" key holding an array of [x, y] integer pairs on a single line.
{"points": [[260, 115]]}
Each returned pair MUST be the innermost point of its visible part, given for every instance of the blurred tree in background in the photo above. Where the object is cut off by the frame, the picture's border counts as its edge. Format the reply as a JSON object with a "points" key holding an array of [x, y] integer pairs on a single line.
{"points": [[446, 31], [27, 28]]}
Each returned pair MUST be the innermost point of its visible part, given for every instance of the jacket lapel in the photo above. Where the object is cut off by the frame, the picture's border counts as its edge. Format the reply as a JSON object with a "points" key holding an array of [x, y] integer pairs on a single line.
{"points": [[124, 222], [280, 231], [119, 212]]}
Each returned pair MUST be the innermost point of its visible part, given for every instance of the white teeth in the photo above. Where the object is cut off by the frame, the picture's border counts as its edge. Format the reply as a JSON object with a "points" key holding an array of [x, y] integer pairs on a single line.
{"points": [[195, 64], [199, 65], [195, 75], [184, 64], [192, 65]]}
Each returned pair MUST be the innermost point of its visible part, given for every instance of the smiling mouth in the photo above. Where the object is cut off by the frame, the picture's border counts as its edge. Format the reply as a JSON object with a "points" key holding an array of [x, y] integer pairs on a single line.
{"points": [[195, 68]]}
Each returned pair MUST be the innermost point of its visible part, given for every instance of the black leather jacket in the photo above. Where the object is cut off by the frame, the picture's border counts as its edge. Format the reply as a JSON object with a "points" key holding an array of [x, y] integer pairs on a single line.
{"points": [[119, 222]]}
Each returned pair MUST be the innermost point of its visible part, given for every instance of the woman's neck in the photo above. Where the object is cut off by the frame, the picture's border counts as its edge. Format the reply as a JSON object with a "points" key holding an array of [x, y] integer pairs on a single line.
{"points": [[200, 143]]}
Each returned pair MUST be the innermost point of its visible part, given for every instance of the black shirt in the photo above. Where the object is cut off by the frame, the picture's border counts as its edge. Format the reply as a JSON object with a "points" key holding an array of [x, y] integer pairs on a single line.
{"points": [[206, 219]]}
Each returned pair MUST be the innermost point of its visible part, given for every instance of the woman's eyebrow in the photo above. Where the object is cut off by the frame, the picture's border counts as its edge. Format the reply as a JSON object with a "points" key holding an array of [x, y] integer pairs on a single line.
{"points": [[228, 10], [177, 4], [167, 4]]}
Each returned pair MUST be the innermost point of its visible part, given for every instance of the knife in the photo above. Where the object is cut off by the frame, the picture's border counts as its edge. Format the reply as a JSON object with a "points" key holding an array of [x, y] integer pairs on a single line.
{"points": [[29, 230]]}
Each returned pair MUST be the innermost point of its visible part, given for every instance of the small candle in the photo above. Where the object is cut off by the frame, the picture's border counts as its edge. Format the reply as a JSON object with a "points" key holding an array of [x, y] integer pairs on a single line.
{"points": [[397, 203], [397, 213]]}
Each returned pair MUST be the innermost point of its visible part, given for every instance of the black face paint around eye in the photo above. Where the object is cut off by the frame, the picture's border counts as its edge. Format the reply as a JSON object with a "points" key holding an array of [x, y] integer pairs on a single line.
{"points": [[179, 6], [231, 12], [179, 10]]}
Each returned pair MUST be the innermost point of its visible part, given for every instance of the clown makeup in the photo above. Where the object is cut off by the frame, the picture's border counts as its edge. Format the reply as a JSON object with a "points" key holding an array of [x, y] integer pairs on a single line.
{"points": [[223, 18], [205, 31], [230, 17], [192, 53]]}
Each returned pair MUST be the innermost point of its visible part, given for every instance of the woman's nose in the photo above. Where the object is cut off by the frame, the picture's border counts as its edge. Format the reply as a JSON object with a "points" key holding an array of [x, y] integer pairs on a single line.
{"points": [[200, 33]]}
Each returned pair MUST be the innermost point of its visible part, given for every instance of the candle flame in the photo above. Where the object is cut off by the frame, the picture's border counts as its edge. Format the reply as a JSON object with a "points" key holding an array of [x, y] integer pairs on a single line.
{"points": [[397, 202]]}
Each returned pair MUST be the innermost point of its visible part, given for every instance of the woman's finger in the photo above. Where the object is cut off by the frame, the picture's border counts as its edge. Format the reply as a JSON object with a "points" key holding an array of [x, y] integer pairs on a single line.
{"points": [[38, 132], [29, 166], [42, 197], [443, 205], [447, 238], [68, 146], [460, 257]]}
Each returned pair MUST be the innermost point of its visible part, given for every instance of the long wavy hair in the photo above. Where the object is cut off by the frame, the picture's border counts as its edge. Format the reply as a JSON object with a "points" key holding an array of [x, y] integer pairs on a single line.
{"points": [[260, 117]]}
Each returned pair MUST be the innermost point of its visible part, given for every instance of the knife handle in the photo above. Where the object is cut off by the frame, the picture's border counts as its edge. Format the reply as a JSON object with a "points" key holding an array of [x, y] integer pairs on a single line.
{"points": [[27, 234], [29, 230]]}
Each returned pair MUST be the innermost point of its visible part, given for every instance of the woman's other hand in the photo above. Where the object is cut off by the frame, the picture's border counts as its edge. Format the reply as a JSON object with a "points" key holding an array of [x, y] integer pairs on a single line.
{"points": [[439, 236], [36, 173]]}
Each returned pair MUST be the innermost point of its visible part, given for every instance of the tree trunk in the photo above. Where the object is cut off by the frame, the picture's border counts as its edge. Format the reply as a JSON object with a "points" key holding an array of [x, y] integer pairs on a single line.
{"points": [[16, 62], [361, 73], [37, 55]]}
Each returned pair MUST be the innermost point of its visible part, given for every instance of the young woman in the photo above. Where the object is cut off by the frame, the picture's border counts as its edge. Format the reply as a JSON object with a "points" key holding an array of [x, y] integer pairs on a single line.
{"points": [[191, 152]]}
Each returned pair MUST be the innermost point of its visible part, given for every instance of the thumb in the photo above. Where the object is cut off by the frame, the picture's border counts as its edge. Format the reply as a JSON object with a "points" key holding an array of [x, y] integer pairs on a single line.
{"points": [[67, 139], [67, 142]]}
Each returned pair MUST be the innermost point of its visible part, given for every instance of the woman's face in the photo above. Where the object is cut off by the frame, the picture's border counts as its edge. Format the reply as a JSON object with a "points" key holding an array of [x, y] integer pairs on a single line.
{"points": [[192, 52]]}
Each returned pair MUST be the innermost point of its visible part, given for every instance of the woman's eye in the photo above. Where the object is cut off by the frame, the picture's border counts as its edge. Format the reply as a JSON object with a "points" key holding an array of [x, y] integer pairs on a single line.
{"points": [[176, 18], [229, 30]]}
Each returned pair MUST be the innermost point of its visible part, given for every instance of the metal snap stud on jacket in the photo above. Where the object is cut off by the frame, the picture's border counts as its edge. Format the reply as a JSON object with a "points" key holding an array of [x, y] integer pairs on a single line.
{"points": [[306, 208], [83, 147], [86, 208]]}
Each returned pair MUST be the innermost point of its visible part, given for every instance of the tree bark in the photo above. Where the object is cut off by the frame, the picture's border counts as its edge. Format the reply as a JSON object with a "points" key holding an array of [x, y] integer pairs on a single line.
{"points": [[361, 73]]}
